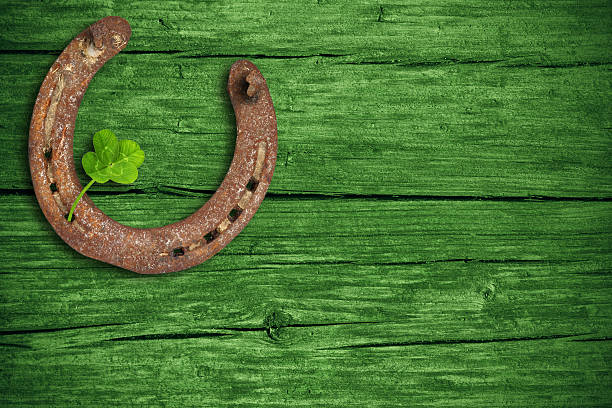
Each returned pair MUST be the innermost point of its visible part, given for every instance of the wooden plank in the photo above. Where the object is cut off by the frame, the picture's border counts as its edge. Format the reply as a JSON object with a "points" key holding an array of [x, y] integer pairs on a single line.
{"points": [[348, 306], [322, 244], [319, 302], [537, 31], [344, 128], [248, 370]]}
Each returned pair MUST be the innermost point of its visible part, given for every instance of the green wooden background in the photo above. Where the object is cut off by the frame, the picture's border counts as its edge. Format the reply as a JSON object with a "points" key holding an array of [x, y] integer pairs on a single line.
{"points": [[438, 231]]}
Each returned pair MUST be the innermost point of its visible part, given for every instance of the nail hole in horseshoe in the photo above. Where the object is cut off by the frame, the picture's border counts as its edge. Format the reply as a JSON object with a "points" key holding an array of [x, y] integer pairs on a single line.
{"points": [[73, 217], [252, 185], [211, 236], [249, 90], [53, 187], [180, 251], [234, 214], [48, 153]]}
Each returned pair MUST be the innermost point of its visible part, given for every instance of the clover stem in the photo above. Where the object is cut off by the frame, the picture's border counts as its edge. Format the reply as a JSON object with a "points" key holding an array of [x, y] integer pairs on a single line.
{"points": [[79, 199]]}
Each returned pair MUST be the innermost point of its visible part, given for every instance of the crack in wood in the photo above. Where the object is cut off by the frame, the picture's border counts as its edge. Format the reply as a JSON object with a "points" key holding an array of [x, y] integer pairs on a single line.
{"points": [[170, 336], [22, 346], [249, 329], [57, 329], [452, 342], [297, 196], [423, 262], [594, 339]]}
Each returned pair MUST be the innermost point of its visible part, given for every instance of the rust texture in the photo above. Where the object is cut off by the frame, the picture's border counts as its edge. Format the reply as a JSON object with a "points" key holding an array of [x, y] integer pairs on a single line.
{"points": [[165, 249]]}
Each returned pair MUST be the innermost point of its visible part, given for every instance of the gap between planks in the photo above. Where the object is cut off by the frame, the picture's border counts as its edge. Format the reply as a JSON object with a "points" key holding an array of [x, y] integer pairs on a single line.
{"points": [[189, 192]]}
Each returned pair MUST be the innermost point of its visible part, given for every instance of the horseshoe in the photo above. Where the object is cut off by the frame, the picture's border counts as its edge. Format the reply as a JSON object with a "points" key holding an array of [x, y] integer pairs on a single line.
{"points": [[173, 247]]}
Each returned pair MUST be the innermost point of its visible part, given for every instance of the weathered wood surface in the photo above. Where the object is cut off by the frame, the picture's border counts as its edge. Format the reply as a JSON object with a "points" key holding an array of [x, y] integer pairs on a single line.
{"points": [[557, 32], [458, 129], [438, 231], [312, 305]]}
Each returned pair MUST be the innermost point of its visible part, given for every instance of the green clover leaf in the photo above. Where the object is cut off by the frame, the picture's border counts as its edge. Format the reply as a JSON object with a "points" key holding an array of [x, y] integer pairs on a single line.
{"points": [[94, 168], [123, 172], [116, 160], [106, 146], [130, 152]]}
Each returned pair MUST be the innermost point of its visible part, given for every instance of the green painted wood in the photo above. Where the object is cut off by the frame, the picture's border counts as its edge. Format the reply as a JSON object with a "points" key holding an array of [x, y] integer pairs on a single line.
{"points": [[357, 231], [250, 371], [403, 256], [308, 301], [542, 32], [295, 243], [453, 129]]}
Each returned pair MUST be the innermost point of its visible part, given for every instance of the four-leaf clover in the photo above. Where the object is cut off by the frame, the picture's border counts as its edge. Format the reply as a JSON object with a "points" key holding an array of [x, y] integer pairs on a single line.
{"points": [[115, 160]]}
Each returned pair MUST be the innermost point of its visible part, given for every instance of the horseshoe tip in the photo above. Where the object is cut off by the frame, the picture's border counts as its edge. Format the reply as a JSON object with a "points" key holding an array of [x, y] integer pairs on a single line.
{"points": [[245, 72], [242, 67], [118, 25], [117, 22]]}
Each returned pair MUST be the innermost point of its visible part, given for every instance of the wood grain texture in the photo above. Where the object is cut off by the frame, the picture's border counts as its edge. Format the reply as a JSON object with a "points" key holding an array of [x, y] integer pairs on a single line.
{"points": [[310, 305], [438, 231], [457, 129], [542, 32]]}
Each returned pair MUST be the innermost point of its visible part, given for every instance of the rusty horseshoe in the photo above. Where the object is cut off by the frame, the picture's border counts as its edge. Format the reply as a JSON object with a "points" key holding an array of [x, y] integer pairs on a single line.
{"points": [[173, 247]]}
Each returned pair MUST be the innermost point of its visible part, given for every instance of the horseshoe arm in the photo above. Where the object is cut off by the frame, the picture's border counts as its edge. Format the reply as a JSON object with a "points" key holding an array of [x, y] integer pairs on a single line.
{"points": [[145, 250]]}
